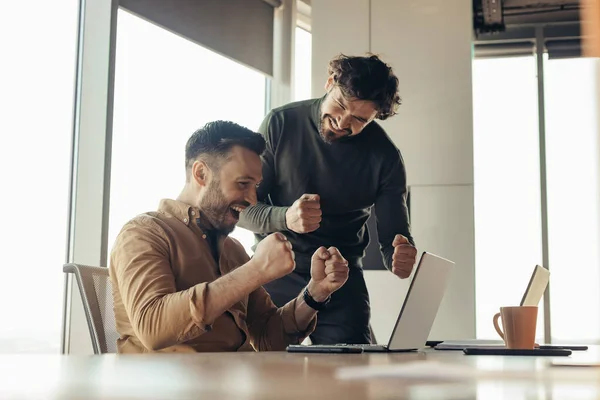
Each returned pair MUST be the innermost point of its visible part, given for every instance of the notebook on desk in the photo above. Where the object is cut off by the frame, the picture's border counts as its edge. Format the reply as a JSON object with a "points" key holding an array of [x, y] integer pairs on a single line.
{"points": [[536, 286], [416, 316]]}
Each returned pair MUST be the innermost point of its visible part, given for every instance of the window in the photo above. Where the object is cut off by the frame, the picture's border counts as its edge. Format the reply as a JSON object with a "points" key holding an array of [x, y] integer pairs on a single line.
{"points": [[507, 190], [166, 87], [573, 182], [37, 78], [302, 65], [506, 185]]}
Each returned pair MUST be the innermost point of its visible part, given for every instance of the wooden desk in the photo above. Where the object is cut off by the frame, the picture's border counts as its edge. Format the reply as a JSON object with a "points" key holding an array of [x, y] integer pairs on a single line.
{"points": [[287, 376]]}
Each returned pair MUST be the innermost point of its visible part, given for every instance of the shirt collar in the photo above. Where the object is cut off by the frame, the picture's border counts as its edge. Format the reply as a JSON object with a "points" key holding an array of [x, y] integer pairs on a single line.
{"points": [[180, 210], [185, 213]]}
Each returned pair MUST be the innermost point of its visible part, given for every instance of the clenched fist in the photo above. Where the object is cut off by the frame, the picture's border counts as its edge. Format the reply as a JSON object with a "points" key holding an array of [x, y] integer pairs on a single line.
{"points": [[404, 257], [274, 257], [304, 215], [328, 271]]}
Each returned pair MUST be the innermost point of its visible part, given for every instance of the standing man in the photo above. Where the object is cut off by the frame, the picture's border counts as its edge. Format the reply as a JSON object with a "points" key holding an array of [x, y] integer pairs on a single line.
{"points": [[327, 162]]}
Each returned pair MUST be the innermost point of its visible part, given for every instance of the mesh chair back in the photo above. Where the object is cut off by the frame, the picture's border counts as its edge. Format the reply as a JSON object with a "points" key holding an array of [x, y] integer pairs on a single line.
{"points": [[96, 294]]}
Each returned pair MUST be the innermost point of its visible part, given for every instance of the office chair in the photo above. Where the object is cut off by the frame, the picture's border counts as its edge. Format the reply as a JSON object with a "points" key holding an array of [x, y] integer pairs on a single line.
{"points": [[96, 294]]}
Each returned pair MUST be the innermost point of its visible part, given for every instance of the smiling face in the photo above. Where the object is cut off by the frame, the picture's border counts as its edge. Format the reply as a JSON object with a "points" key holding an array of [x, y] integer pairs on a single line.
{"points": [[343, 117], [230, 189]]}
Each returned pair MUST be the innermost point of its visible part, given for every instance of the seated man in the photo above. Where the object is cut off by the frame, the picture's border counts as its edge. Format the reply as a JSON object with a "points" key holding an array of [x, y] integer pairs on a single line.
{"points": [[181, 284]]}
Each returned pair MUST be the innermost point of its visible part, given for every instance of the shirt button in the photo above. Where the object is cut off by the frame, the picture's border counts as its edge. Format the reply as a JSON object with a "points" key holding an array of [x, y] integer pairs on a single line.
{"points": [[193, 212], [185, 220]]}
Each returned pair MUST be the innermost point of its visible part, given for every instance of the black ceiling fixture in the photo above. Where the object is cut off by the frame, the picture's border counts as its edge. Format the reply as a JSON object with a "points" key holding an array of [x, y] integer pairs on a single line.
{"points": [[494, 16], [510, 27], [489, 16]]}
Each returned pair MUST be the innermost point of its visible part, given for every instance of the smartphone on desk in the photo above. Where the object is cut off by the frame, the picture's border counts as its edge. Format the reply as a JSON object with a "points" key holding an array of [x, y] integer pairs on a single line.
{"points": [[321, 348], [501, 351]]}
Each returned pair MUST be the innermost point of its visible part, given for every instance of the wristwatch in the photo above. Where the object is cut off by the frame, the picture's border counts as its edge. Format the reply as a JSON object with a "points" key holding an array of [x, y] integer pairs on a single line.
{"points": [[312, 303]]}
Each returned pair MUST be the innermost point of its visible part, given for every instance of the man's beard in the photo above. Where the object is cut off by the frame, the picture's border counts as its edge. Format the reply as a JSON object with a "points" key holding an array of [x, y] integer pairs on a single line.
{"points": [[217, 209], [328, 135]]}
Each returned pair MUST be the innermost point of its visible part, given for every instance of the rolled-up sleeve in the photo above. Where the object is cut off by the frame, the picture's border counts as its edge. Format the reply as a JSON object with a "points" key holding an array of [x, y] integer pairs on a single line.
{"points": [[263, 217], [159, 315], [273, 328]]}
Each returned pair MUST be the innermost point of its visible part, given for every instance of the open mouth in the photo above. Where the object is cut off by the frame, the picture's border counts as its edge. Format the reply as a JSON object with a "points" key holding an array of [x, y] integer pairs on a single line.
{"points": [[236, 210], [336, 129]]}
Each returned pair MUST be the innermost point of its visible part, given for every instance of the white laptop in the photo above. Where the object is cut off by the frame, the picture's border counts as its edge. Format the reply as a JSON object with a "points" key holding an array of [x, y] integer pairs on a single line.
{"points": [[531, 297], [416, 317]]}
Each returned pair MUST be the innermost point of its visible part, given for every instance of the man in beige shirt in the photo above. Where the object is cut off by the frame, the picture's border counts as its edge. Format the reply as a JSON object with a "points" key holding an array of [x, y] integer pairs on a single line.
{"points": [[181, 284]]}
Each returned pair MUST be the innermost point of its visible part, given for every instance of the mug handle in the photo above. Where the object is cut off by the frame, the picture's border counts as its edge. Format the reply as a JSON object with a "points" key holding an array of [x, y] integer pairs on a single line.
{"points": [[497, 327]]}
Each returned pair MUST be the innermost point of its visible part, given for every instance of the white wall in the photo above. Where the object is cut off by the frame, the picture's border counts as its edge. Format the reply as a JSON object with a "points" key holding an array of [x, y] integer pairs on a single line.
{"points": [[428, 43], [337, 26]]}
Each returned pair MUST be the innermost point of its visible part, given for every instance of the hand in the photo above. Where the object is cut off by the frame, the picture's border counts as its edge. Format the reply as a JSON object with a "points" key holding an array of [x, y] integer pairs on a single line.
{"points": [[304, 215], [404, 257], [328, 271], [274, 257]]}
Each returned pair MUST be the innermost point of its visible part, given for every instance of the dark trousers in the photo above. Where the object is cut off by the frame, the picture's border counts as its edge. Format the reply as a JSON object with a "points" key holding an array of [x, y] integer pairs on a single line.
{"points": [[346, 318]]}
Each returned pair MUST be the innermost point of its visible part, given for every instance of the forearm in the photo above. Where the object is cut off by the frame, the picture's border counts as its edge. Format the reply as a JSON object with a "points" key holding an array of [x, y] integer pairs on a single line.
{"points": [[230, 289], [303, 313], [263, 218], [391, 208], [391, 221], [174, 318], [273, 328]]}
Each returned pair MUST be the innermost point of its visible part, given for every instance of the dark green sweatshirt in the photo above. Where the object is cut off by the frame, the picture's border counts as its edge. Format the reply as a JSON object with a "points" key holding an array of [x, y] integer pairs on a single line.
{"points": [[350, 175]]}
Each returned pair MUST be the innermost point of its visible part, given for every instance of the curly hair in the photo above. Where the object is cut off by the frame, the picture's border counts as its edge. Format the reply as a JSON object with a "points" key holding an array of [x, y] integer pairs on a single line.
{"points": [[367, 78]]}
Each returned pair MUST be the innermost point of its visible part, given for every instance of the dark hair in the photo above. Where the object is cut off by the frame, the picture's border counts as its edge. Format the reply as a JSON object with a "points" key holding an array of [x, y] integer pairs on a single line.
{"points": [[214, 140], [367, 78]]}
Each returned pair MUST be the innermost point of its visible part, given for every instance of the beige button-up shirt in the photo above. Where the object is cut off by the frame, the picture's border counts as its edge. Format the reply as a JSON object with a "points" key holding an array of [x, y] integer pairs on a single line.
{"points": [[160, 268]]}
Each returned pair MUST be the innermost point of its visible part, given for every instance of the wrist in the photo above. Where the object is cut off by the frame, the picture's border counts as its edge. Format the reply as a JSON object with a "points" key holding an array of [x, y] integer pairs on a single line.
{"points": [[286, 219], [317, 294], [253, 274]]}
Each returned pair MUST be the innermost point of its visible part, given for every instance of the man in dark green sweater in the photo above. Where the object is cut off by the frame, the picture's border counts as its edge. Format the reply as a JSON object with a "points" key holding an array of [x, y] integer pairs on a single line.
{"points": [[327, 163]]}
